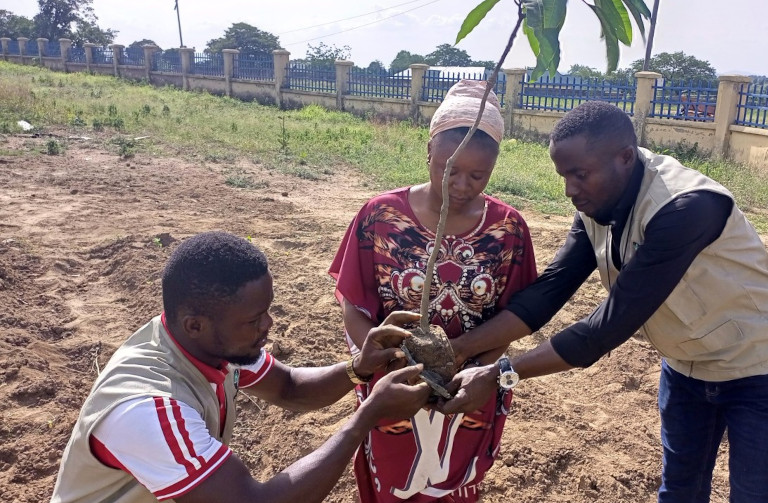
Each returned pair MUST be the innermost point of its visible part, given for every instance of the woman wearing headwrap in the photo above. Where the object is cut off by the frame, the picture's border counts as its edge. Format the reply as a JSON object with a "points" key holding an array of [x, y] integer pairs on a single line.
{"points": [[486, 255]]}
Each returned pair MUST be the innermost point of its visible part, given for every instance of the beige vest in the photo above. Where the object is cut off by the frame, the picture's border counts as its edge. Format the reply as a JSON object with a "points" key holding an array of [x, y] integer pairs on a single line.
{"points": [[714, 324], [82, 478]]}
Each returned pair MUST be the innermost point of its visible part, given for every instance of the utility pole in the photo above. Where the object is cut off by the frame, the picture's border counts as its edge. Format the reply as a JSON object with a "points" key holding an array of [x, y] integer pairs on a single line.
{"points": [[649, 44], [178, 18]]}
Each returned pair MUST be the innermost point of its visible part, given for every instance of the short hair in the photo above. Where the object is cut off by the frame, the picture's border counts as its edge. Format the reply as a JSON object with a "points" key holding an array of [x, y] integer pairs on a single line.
{"points": [[480, 137], [206, 271], [597, 120]]}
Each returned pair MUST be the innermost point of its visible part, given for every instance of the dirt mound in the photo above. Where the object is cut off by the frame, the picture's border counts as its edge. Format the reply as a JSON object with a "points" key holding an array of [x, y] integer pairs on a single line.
{"points": [[83, 239]]}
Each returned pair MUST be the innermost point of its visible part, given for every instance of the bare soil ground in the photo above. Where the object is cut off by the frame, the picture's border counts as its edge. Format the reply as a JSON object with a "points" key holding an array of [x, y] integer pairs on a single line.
{"points": [[83, 240]]}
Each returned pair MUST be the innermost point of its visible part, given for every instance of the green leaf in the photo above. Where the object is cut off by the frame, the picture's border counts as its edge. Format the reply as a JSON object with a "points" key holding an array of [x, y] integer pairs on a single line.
{"points": [[618, 18], [611, 42], [474, 17], [543, 21], [639, 10]]}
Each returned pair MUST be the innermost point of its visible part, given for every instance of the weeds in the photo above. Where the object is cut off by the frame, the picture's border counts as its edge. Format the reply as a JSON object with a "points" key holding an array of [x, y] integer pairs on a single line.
{"points": [[53, 147], [241, 180], [126, 147], [308, 143]]}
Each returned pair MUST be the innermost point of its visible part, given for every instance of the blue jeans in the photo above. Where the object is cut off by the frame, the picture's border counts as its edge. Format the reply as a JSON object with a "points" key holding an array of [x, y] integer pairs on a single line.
{"points": [[694, 416]]}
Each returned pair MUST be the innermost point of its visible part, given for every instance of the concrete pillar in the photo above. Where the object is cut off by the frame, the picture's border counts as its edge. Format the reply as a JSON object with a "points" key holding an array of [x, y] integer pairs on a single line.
{"points": [[187, 65], [512, 92], [42, 48], [65, 44], [88, 55], [281, 59], [4, 44], [22, 47], [149, 49], [643, 102], [342, 81], [117, 57], [728, 96], [418, 70], [229, 67]]}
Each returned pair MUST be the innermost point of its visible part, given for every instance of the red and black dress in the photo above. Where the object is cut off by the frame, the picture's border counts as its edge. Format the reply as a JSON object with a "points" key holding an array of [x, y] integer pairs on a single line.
{"points": [[379, 268]]}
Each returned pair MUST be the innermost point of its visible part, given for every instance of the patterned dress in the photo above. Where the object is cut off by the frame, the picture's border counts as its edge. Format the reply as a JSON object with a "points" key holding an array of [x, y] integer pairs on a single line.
{"points": [[379, 268]]}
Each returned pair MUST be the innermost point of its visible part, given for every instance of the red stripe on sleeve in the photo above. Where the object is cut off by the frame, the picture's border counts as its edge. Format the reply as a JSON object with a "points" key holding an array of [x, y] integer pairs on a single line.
{"points": [[184, 486], [170, 436], [184, 433], [249, 377]]}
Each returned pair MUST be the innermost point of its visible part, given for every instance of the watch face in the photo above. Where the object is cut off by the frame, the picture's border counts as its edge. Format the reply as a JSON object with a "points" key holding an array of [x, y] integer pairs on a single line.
{"points": [[508, 380]]}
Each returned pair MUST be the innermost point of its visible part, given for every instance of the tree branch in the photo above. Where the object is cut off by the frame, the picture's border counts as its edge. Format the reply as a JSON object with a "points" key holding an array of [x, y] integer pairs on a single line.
{"points": [[425, 300]]}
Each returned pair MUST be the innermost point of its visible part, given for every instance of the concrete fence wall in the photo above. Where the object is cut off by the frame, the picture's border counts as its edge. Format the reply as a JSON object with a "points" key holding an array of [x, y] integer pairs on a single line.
{"points": [[720, 138]]}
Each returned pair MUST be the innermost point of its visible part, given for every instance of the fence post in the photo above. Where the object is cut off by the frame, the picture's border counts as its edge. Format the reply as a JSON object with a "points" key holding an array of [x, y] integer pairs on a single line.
{"points": [[22, 47], [342, 81], [229, 67], [4, 43], [728, 97], [41, 48], [643, 102], [117, 57], [88, 55], [65, 45], [513, 88], [149, 49], [418, 70], [186, 55], [281, 58]]}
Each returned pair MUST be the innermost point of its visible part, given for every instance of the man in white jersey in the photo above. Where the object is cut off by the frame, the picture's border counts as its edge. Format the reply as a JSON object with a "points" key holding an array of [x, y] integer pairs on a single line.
{"points": [[158, 420]]}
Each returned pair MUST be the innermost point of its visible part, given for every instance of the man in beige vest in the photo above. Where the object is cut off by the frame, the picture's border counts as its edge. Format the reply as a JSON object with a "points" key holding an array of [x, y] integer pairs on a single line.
{"points": [[158, 420], [682, 265]]}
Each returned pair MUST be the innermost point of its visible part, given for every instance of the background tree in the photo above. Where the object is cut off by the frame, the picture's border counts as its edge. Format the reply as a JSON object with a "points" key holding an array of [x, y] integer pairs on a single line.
{"points": [[324, 54], [585, 72], [448, 55], [677, 66], [250, 40], [759, 79], [57, 18], [139, 44], [404, 59], [90, 32], [376, 67], [488, 64], [14, 26]]}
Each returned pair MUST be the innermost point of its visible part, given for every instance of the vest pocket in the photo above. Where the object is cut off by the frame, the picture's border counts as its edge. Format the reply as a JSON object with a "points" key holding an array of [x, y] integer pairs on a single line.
{"points": [[723, 336], [685, 304]]}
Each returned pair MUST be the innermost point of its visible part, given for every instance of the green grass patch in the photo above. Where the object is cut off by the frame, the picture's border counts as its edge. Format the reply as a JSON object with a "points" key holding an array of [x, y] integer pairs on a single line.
{"points": [[309, 143]]}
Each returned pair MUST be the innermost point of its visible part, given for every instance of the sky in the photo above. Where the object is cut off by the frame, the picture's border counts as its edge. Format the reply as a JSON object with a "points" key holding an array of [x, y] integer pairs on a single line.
{"points": [[730, 35]]}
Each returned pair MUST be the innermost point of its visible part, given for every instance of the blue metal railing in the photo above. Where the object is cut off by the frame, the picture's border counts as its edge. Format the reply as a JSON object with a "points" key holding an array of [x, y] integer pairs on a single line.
{"points": [[311, 77], [133, 56], [13, 47], [693, 101], [166, 61], [254, 67], [437, 83], [53, 49], [32, 49], [564, 93], [383, 84], [77, 55], [102, 55], [208, 64], [500, 89], [752, 109]]}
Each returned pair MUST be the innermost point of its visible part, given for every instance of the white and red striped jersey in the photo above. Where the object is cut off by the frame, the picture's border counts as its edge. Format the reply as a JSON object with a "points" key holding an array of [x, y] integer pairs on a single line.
{"points": [[164, 443]]}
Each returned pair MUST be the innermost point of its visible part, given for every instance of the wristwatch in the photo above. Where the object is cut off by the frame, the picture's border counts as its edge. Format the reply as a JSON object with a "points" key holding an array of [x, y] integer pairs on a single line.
{"points": [[508, 378], [356, 379]]}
